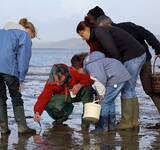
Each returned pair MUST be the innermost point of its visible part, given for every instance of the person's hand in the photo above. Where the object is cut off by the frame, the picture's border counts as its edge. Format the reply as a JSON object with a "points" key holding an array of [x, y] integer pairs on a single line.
{"points": [[76, 88], [98, 98], [37, 117]]}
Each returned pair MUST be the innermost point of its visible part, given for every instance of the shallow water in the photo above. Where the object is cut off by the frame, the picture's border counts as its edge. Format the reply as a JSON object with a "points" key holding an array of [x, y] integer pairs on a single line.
{"points": [[70, 137]]}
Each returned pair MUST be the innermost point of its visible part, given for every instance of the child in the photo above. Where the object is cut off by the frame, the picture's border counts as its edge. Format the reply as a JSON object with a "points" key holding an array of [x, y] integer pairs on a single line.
{"points": [[112, 75], [56, 98]]}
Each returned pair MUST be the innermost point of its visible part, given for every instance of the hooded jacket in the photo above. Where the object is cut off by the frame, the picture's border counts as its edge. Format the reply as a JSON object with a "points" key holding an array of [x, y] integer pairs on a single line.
{"points": [[108, 71], [15, 51]]}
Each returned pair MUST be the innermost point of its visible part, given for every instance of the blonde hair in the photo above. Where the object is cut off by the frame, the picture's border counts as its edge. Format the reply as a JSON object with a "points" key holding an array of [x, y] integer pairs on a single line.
{"points": [[28, 25]]}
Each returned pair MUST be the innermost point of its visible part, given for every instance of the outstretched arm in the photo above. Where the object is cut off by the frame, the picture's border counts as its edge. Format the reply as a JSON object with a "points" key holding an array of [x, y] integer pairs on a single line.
{"points": [[149, 37], [43, 99]]}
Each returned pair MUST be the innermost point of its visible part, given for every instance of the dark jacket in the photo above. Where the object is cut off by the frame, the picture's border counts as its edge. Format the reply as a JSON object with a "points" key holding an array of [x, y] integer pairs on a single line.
{"points": [[117, 43], [142, 35]]}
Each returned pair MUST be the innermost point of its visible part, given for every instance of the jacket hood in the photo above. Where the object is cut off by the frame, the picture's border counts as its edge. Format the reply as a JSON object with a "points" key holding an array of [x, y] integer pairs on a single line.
{"points": [[13, 25], [94, 56]]}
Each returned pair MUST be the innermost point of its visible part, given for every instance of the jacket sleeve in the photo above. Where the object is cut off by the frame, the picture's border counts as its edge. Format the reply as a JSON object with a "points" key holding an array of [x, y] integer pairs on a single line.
{"points": [[83, 79], [44, 98], [104, 37], [99, 87], [23, 55], [97, 71], [149, 37]]}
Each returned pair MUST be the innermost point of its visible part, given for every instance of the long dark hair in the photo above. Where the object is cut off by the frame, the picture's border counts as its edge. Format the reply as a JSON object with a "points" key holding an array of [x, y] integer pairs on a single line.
{"points": [[88, 22]]}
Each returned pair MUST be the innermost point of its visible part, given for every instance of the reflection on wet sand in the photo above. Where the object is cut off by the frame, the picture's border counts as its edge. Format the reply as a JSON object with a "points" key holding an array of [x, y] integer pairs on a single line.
{"points": [[4, 142], [56, 138], [130, 139], [23, 141]]}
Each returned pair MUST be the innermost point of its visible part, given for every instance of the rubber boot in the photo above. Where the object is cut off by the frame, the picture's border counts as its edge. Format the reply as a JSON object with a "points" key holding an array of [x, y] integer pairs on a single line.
{"points": [[135, 113], [101, 126], [127, 114], [59, 122], [4, 142], [156, 101], [85, 125], [21, 121], [4, 120]]}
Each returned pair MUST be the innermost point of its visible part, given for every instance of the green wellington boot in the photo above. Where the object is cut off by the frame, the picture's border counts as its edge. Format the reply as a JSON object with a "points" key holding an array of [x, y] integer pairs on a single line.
{"points": [[4, 120], [85, 125], [135, 113], [127, 114], [21, 121]]}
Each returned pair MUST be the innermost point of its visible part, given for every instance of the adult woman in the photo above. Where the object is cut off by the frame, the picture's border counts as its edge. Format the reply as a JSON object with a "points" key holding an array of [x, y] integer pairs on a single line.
{"points": [[116, 43], [15, 53], [141, 34]]}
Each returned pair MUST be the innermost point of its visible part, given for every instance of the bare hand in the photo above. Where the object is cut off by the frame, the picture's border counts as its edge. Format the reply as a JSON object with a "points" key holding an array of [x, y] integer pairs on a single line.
{"points": [[37, 117], [76, 88]]}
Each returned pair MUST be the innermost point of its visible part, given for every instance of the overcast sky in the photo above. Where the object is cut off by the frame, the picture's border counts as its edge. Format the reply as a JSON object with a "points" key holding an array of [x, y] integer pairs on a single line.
{"points": [[57, 19]]}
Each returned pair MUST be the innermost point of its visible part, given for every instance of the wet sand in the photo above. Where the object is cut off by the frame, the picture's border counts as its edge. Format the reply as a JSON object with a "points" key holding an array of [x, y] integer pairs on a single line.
{"points": [[70, 136]]}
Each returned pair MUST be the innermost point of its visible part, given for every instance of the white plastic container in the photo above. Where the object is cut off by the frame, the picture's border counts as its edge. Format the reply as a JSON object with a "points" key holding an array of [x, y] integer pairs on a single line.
{"points": [[92, 111]]}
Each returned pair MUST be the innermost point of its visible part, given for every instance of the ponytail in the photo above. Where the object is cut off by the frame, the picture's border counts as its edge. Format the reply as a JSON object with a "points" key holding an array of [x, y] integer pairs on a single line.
{"points": [[28, 25]]}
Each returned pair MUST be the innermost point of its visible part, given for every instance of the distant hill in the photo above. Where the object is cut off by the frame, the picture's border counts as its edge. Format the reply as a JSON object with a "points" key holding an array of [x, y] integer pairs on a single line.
{"points": [[73, 43]]}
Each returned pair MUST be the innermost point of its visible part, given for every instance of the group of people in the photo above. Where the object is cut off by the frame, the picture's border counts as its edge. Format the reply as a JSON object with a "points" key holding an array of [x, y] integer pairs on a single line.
{"points": [[118, 55]]}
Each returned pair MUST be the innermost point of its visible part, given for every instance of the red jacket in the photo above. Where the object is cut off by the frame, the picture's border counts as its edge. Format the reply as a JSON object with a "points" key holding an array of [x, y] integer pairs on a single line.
{"points": [[50, 89]]}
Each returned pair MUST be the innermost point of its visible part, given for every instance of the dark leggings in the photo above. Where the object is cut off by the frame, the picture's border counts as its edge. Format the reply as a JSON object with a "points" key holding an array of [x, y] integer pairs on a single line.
{"points": [[12, 83]]}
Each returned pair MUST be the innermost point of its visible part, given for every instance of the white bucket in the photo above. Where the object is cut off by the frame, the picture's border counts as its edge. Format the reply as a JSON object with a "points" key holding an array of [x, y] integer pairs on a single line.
{"points": [[92, 112]]}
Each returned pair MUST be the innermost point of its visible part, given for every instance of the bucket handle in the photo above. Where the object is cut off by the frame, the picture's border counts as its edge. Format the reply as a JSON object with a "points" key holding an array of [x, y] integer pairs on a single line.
{"points": [[155, 63], [96, 101]]}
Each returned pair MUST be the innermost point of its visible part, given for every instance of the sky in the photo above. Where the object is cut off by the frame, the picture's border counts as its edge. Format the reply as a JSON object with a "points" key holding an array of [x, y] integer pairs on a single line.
{"points": [[57, 19]]}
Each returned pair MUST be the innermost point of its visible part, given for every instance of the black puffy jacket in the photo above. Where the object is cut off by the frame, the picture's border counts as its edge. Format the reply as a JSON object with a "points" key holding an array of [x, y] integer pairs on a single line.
{"points": [[142, 35], [117, 43]]}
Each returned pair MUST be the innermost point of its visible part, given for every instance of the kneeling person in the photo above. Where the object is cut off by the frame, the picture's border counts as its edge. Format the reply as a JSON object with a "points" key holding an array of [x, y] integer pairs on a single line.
{"points": [[56, 99]]}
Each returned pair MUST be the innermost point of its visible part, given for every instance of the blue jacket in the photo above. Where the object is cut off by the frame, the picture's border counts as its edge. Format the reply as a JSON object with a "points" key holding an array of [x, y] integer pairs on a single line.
{"points": [[15, 52], [108, 71]]}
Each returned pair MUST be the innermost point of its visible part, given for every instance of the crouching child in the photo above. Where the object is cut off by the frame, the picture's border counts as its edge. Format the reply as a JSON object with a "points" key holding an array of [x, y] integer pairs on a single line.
{"points": [[64, 87], [109, 75]]}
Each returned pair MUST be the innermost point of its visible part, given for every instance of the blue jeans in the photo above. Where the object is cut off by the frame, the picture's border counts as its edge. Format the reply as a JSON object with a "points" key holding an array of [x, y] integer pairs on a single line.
{"points": [[108, 103], [134, 67], [107, 120]]}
